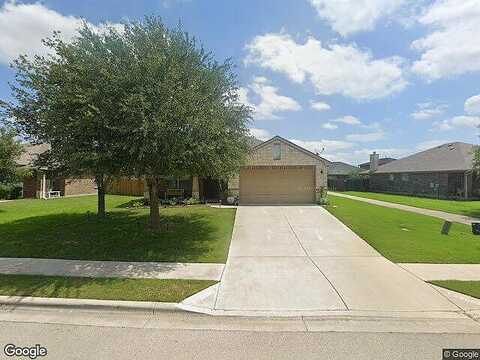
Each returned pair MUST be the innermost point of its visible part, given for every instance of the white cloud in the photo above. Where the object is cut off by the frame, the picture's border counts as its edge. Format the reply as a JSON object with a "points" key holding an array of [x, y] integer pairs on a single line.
{"points": [[359, 156], [458, 122], [23, 26], [332, 69], [270, 102], [169, 3], [349, 120], [329, 126], [319, 106], [428, 110], [350, 16], [366, 137], [260, 134], [472, 105], [320, 145], [425, 145], [452, 48]]}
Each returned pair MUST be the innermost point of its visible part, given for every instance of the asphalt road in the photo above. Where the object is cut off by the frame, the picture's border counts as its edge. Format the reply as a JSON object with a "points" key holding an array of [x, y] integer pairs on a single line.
{"points": [[93, 342]]}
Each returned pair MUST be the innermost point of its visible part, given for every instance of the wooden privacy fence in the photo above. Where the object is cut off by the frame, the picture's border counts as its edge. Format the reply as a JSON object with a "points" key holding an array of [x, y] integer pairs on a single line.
{"points": [[124, 186]]}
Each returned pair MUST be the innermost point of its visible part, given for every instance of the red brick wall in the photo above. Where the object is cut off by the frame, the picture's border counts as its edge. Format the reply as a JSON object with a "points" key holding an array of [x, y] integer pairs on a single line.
{"points": [[79, 187], [31, 185]]}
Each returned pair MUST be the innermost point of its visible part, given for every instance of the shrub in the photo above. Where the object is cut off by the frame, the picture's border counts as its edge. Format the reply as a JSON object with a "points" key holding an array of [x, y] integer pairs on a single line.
{"points": [[323, 201], [10, 191], [192, 201]]}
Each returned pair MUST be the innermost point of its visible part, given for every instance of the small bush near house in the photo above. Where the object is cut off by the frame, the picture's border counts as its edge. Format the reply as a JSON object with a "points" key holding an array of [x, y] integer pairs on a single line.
{"points": [[323, 201], [10, 192], [192, 201]]}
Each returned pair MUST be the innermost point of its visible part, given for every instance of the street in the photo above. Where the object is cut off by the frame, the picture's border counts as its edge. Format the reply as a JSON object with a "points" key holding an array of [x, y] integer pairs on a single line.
{"points": [[93, 334], [89, 342]]}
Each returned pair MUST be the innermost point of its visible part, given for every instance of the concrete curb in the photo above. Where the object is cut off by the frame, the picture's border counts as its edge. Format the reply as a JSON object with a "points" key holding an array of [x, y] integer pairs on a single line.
{"points": [[86, 304]]}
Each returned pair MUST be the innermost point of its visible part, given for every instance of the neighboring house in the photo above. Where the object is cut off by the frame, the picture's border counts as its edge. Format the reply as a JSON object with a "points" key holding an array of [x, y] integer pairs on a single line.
{"points": [[42, 180], [278, 171], [444, 171], [382, 161], [339, 173]]}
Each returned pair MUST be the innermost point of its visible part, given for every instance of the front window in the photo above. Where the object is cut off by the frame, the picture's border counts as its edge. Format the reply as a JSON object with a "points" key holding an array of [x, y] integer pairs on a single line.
{"points": [[277, 152]]}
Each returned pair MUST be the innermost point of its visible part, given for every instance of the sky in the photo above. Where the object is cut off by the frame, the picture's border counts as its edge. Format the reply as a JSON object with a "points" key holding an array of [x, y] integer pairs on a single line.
{"points": [[342, 78]]}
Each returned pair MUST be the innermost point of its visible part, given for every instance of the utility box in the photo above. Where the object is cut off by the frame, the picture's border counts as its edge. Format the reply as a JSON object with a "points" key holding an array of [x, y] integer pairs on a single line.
{"points": [[476, 228]]}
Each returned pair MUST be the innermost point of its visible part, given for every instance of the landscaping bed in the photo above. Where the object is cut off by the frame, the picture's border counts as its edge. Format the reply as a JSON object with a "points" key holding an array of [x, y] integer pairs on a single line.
{"points": [[101, 289], [68, 228], [470, 288], [407, 237], [467, 208]]}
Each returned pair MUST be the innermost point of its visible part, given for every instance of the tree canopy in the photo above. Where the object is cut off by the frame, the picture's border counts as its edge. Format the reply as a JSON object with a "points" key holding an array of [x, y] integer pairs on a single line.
{"points": [[10, 150], [145, 100]]}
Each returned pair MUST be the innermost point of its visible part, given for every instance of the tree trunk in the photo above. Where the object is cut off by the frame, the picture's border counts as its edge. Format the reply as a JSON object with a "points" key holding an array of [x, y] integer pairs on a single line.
{"points": [[154, 203], [100, 180]]}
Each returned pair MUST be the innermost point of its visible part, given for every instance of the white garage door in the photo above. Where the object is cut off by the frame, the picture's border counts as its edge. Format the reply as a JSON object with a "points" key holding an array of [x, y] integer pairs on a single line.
{"points": [[277, 185]]}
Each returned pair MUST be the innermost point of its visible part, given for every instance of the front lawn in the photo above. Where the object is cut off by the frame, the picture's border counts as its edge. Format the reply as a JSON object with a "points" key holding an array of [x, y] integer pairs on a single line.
{"points": [[470, 288], [69, 229], [402, 236], [467, 208], [101, 289]]}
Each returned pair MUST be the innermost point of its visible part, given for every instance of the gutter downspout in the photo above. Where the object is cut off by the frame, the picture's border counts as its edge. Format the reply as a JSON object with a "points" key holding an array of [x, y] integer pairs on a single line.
{"points": [[466, 183]]}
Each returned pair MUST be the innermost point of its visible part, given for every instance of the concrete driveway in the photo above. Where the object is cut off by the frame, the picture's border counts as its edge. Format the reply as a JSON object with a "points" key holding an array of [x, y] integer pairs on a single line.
{"points": [[301, 259]]}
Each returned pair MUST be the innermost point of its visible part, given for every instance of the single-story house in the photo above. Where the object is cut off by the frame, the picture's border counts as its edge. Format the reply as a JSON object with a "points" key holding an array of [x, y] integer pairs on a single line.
{"points": [[41, 182], [338, 174], [444, 171], [277, 171]]}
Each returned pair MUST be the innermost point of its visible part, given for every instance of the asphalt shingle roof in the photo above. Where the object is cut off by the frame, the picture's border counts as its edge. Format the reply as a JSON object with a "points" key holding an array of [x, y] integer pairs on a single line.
{"points": [[455, 156], [341, 168], [31, 153]]}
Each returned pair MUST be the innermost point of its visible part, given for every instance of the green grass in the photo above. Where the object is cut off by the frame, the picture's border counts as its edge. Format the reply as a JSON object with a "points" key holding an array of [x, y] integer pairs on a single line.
{"points": [[467, 208], [471, 288], [101, 289], [69, 229], [403, 236]]}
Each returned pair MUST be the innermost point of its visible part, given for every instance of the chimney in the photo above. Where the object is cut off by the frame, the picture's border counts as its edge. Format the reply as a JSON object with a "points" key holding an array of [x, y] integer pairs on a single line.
{"points": [[374, 162]]}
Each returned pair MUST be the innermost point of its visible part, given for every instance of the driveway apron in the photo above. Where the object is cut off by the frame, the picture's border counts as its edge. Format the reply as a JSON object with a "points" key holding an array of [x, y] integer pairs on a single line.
{"points": [[301, 258]]}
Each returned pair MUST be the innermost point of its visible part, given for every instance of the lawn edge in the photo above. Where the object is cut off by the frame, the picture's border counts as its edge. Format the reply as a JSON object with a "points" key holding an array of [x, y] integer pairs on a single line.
{"points": [[87, 304]]}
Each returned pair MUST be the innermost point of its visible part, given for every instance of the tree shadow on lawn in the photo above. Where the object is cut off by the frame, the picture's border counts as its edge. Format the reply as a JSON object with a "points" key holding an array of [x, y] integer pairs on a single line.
{"points": [[121, 236]]}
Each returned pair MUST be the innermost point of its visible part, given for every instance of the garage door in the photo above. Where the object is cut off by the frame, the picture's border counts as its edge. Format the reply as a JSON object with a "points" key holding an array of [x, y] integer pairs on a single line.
{"points": [[277, 185]]}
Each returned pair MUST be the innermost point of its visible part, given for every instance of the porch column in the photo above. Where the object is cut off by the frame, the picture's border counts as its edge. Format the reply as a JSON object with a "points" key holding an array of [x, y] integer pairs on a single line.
{"points": [[44, 186], [195, 188], [465, 181]]}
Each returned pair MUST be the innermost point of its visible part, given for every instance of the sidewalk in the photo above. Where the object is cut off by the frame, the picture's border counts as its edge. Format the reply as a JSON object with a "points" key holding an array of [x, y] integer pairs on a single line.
{"points": [[114, 269], [434, 213], [429, 272]]}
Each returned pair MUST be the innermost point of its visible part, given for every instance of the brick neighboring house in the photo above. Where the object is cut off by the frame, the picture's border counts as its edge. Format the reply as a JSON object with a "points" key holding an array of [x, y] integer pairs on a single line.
{"points": [[444, 171], [338, 174], [42, 180], [381, 161]]}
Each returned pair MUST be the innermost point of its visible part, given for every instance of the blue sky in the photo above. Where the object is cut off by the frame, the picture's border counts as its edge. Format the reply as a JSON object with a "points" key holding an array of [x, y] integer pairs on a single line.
{"points": [[343, 77]]}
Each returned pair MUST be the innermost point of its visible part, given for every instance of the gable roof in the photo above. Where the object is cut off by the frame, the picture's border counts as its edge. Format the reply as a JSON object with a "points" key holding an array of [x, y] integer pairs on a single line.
{"points": [[457, 156], [289, 143], [341, 168], [381, 161], [31, 153]]}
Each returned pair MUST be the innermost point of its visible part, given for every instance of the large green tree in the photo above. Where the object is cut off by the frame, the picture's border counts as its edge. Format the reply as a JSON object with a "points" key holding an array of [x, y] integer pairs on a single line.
{"points": [[10, 150], [70, 101], [183, 108]]}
